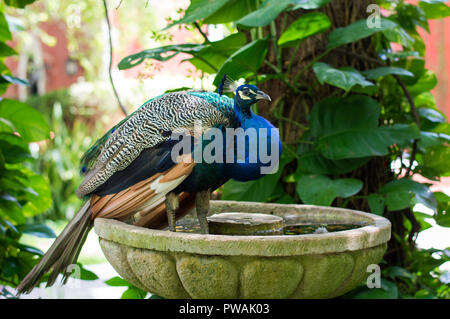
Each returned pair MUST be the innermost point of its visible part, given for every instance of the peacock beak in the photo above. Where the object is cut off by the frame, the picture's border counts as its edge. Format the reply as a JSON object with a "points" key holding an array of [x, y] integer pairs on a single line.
{"points": [[260, 95]]}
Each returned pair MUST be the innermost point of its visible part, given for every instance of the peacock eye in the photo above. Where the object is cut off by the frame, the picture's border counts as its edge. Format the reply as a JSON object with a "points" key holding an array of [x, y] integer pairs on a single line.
{"points": [[246, 92]]}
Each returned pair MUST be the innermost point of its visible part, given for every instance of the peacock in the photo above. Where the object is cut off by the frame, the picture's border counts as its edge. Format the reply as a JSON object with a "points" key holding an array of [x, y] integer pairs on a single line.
{"points": [[131, 173]]}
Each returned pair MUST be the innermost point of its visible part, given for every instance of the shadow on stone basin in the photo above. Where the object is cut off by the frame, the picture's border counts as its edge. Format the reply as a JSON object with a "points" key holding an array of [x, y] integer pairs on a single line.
{"points": [[188, 265]]}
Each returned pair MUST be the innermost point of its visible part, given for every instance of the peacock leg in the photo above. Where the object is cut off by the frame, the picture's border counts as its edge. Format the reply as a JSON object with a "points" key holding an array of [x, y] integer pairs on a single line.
{"points": [[172, 204], [202, 207]]}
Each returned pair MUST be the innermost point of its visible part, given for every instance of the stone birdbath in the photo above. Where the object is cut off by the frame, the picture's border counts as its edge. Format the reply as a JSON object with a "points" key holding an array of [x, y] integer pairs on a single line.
{"points": [[192, 265]]}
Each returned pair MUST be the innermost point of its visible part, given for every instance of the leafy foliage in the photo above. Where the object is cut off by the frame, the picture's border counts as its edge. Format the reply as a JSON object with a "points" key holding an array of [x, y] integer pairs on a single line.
{"points": [[23, 193], [132, 292], [383, 112]]}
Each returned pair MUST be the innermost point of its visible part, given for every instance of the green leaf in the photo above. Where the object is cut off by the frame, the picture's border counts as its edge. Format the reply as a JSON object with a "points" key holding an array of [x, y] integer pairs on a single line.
{"points": [[5, 34], [14, 149], [356, 31], [388, 290], [309, 4], [19, 3], [39, 196], [431, 115], [6, 50], [314, 162], [199, 9], [38, 230], [12, 79], [117, 282], [267, 12], [344, 78], [307, 25], [322, 190], [213, 56], [435, 10], [232, 11], [376, 203], [86, 274], [348, 128], [11, 209], [425, 83], [157, 54], [396, 271], [431, 139], [184, 88], [437, 158], [243, 62], [404, 193], [133, 293], [383, 71], [442, 217], [30, 123]]}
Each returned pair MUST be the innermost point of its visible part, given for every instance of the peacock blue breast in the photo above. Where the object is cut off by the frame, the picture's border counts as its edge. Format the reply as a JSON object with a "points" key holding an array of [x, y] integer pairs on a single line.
{"points": [[261, 149]]}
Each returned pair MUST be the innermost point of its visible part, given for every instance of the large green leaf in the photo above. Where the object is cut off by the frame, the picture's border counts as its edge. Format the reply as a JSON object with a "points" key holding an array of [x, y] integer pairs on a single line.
{"points": [[6, 78], [404, 193], [322, 190], [6, 50], [243, 62], [267, 12], [388, 290], [5, 34], [425, 83], [38, 230], [435, 9], [314, 162], [430, 115], [39, 196], [307, 25], [232, 11], [438, 158], [200, 9], [19, 3], [356, 31], [157, 54], [214, 55], [10, 208], [431, 139], [442, 217], [377, 203], [14, 149], [348, 128], [386, 70], [29, 123], [344, 78], [309, 4]]}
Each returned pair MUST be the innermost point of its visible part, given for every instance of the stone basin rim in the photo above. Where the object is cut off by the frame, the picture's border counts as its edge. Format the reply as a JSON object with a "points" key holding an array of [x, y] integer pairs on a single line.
{"points": [[235, 245]]}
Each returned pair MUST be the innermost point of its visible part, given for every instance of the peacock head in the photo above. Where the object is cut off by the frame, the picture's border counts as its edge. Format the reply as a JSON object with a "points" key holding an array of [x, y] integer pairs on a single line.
{"points": [[245, 95]]}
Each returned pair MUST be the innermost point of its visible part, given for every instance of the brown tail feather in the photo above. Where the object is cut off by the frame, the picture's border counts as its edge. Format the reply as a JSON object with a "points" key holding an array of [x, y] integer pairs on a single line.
{"points": [[157, 217], [62, 253]]}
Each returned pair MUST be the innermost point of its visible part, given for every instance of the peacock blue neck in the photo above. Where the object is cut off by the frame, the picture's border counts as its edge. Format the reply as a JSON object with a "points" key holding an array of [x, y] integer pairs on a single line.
{"points": [[256, 129]]}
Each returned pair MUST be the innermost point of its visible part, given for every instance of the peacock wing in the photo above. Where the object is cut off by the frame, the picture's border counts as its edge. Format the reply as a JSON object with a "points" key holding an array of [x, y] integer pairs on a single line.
{"points": [[149, 126]]}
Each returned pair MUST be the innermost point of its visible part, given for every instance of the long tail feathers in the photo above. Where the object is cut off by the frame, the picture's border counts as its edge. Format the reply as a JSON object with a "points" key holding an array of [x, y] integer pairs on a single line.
{"points": [[62, 253]]}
